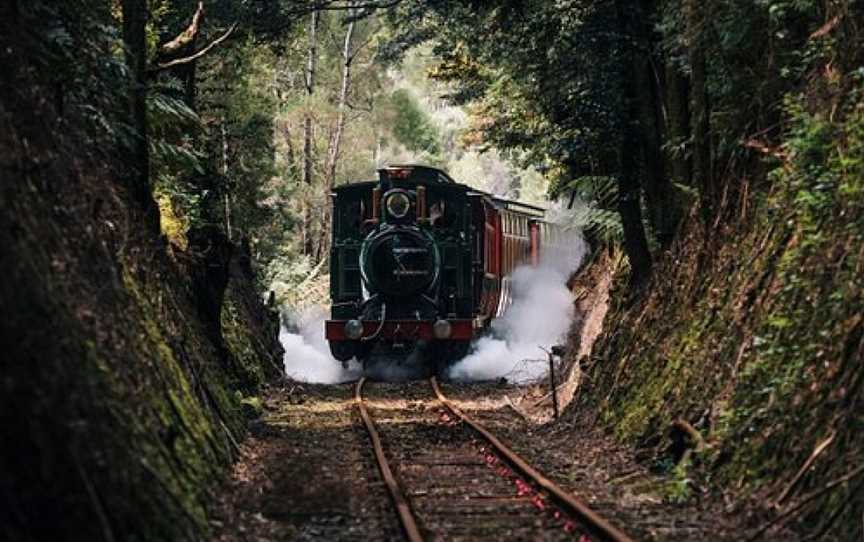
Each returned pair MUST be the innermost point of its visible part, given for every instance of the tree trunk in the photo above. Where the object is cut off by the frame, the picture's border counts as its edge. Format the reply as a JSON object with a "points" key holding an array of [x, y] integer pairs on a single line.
{"points": [[290, 157], [658, 191], [702, 167], [336, 138], [678, 124], [190, 79], [225, 191], [635, 244], [135, 44], [311, 64]]}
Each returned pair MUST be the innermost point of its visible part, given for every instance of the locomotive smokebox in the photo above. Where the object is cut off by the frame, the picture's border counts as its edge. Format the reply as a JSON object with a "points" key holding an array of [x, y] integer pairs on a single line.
{"points": [[400, 261]]}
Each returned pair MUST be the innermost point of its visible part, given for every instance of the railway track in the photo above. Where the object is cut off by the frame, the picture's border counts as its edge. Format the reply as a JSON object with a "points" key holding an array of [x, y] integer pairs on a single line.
{"points": [[450, 478]]}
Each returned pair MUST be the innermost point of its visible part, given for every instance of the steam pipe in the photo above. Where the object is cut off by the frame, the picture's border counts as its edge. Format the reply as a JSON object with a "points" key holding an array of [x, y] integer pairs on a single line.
{"points": [[380, 326]]}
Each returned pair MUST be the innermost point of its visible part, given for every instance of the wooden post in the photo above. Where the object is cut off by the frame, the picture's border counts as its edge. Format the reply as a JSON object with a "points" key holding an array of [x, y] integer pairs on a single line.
{"points": [[552, 384]]}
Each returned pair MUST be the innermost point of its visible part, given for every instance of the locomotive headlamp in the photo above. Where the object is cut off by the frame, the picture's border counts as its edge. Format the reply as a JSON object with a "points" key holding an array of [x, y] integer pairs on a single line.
{"points": [[398, 204], [354, 329], [442, 329]]}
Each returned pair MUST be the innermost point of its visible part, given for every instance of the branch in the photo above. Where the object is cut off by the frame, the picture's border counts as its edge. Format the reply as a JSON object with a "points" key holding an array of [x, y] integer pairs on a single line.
{"points": [[825, 29], [185, 37], [337, 5], [366, 42], [684, 427], [807, 464], [364, 13], [196, 56], [758, 146], [342, 5]]}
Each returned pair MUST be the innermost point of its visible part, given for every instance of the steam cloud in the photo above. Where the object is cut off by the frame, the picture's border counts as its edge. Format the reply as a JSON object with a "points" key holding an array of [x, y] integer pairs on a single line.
{"points": [[539, 317], [307, 355]]}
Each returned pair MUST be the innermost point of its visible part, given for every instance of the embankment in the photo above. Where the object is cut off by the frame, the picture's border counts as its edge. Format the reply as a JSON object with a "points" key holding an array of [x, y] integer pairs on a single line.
{"points": [[125, 360], [752, 335]]}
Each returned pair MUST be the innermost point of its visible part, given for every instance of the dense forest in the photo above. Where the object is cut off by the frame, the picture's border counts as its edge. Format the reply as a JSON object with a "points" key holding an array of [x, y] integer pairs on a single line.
{"points": [[166, 171]]}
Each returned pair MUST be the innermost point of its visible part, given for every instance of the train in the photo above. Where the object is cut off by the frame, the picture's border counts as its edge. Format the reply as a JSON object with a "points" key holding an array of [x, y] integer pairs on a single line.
{"points": [[421, 265]]}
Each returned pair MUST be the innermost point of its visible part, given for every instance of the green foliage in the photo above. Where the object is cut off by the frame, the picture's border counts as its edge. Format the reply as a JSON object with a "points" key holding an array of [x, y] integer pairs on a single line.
{"points": [[525, 76], [531, 97], [173, 126], [287, 272], [679, 489], [75, 68], [247, 119], [595, 205], [410, 126]]}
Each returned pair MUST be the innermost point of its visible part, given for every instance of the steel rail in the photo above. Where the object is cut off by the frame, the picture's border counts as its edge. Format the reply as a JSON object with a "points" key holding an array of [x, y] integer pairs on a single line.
{"points": [[598, 525], [406, 517]]}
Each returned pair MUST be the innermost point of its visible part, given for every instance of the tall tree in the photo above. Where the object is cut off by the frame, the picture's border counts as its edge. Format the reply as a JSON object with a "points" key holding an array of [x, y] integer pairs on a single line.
{"points": [[527, 74], [657, 189], [677, 102], [702, 163], [311, 67], [336, 136], [630, 68], [336, 139], [135, 15], [308, 159]]}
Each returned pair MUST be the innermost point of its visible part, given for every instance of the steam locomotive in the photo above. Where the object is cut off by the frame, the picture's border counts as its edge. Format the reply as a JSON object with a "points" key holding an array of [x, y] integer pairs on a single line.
{"points": [[420, 265]]}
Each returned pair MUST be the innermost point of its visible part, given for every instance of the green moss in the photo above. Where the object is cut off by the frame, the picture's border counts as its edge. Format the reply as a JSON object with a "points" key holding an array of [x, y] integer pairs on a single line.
{"points": [[172, 226], [252, 407], [679, 489]]}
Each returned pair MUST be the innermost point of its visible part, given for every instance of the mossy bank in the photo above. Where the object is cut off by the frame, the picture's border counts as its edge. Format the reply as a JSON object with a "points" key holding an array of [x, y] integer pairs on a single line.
{"points": [[752, 335], [124, 361]]}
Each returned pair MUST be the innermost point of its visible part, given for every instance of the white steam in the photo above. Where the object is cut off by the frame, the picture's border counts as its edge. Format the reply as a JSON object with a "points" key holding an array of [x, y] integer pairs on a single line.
{"points": [[539, 318], [307, 355]]}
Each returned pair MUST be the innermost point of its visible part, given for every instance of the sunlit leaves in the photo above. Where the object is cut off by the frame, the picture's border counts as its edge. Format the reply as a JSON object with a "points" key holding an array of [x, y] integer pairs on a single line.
{"points": [[410, 126]]}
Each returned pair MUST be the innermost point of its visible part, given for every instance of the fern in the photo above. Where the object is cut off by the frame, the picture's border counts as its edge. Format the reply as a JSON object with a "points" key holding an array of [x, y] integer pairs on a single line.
{"points": [[171, 120], [600, 224], [167, 112], [594, 207]]}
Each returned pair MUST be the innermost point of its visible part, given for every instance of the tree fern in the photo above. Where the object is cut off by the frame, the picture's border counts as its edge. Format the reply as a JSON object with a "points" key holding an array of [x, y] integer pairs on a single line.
{"points": [[171, 120], [594, 207]]}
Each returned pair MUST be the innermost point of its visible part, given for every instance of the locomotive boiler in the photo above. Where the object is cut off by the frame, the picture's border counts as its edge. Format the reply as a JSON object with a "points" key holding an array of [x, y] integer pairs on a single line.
{"points": [[420, 265]]}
